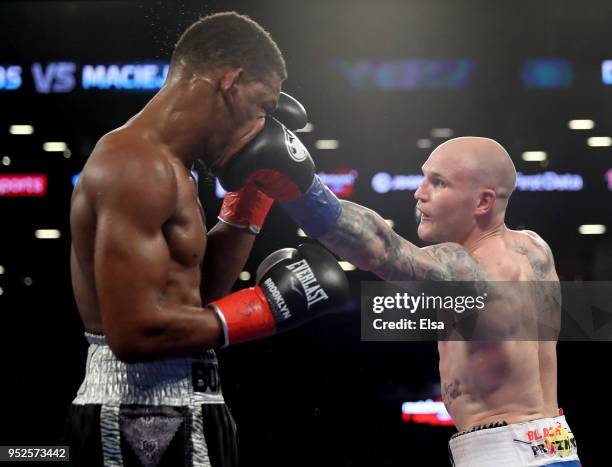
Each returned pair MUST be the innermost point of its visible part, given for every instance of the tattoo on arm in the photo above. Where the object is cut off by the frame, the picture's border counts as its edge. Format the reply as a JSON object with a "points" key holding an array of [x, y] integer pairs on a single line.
{"points": [[362, 237]]}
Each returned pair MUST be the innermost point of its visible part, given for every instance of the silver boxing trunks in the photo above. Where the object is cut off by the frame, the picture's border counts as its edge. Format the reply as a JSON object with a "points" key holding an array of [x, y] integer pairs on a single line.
{"points": [[161, 413]]}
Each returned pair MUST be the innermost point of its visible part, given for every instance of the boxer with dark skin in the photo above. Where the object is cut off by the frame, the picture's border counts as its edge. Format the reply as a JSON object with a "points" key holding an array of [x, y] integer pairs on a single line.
{"points": [[142, 261], [152, 285]]}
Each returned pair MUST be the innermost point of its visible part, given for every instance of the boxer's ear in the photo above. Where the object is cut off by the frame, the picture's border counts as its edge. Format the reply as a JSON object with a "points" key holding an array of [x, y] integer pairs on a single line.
{"points": [[486, 200], [229, 80]]}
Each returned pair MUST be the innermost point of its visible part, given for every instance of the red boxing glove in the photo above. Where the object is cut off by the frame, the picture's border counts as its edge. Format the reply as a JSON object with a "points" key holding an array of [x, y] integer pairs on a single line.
{"points": [[245, 209]]}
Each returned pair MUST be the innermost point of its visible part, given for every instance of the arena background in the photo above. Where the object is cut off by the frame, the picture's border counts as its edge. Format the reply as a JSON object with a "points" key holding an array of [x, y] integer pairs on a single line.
{"points": [[387, 80]]}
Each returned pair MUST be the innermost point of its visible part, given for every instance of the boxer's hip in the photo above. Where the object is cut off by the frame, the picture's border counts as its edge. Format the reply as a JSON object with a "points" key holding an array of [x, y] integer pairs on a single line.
{"points": [[543, 442], [176, 382]]}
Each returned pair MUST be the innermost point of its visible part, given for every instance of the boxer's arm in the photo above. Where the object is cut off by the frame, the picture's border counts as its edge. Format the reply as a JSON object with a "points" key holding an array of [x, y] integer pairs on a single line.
{"points": [[362, 237], [136, 196], [227, 250]]}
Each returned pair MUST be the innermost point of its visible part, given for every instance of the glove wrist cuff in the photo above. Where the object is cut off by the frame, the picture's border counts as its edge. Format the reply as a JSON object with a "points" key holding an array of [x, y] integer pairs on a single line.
{"points": [[317, 211], [245, 209]]}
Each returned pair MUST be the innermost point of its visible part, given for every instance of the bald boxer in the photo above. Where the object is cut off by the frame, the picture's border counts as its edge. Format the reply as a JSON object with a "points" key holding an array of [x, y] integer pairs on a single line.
{"points": [[144, 266], [502, 394]]}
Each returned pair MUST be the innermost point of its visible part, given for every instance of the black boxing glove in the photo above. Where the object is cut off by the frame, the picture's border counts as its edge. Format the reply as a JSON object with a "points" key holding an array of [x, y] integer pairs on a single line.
{"points": [[290, 112], [280, 166], [294, 286]]}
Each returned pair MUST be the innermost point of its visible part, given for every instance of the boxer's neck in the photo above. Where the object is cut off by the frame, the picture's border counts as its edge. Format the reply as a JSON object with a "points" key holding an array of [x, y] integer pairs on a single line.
{"points": [[178, 117], [479, 238]]}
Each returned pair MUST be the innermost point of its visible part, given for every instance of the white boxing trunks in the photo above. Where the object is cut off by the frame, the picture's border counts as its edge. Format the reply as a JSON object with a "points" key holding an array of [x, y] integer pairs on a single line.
{"points": [[544, 442]]}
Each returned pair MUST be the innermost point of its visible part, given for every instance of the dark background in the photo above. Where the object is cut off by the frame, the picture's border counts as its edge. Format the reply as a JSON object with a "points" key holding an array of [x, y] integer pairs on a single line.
{"points": [[316, 396]]}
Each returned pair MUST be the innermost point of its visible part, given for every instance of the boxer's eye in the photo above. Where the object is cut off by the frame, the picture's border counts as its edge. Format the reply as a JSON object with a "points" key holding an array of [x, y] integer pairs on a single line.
{"points": [[439, 183]]}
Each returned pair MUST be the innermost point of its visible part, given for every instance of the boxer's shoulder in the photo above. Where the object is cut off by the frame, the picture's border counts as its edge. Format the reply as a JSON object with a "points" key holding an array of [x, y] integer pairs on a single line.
{"points": [[530, 242], [127, 165], [460, 264], [537, 251]]}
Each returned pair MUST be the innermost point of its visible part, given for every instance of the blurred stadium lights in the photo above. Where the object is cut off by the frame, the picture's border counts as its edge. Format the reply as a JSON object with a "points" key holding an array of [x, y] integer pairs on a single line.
{"points": [[581, 124], [55, 146], [1, 269], [245, 276], [424, 143], [47, 234], [327, 144], [441, 133], [393, 75], [592, 229], [599, 141], [534, 156], [6, 160], [21, 129], [547, 73]]}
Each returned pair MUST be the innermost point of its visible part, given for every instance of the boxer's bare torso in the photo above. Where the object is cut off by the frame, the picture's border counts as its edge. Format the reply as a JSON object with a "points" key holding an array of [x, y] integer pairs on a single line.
{"points": [[500, 379], [507, 380], [123, 167]]}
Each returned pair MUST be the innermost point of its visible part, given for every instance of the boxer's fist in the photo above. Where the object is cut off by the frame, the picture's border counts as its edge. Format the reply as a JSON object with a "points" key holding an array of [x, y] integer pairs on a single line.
{"points": [[276, 161], [294, 286], [279, 165]]}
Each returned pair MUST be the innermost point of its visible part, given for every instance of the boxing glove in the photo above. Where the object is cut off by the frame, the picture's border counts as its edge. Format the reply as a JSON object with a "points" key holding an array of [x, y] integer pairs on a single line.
{"points": [[294, 286]]}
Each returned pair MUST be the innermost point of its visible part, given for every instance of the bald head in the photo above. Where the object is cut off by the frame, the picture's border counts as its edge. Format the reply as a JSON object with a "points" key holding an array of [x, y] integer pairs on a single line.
{"points": [[481, 163]]}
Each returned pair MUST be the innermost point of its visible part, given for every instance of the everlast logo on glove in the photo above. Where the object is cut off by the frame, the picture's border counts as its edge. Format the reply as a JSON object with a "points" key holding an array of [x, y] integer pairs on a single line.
{"points": [[314, 292], [295, 148]]}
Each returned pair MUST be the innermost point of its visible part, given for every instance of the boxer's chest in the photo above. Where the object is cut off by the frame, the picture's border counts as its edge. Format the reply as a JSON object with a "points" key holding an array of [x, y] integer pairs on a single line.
{"points": [[186, 231]]}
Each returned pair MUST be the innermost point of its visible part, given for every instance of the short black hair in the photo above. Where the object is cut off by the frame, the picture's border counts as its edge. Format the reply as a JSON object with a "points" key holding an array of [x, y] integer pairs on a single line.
{"points": [[229, 39]]}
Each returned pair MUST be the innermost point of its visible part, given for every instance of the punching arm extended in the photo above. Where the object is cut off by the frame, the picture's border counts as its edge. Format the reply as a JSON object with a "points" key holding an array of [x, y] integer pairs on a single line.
{"points": [[362, 237]]}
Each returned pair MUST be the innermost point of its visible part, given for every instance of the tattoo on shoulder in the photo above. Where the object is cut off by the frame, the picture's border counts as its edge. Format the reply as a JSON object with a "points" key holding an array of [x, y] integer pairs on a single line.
{"points": [[461, 265], [540, 256]]}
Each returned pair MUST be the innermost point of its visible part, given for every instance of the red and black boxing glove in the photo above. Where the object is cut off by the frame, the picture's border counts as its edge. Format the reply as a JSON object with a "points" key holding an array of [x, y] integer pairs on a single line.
{"points": [[279, 165], [246, 208], [294, 286]]}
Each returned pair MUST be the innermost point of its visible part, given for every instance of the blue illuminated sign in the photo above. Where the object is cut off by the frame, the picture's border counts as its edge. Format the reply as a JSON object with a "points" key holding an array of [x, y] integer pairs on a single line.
{"points": [[392, 75], [55, 77], [549, 181], [606, 71], [547, 73], [10, 77], [382, 182], [141, 76]]}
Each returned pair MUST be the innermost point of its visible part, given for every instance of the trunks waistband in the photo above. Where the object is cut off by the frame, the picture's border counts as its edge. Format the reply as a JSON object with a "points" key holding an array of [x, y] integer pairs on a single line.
{"points": [[532, 443], [176, 381]]}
